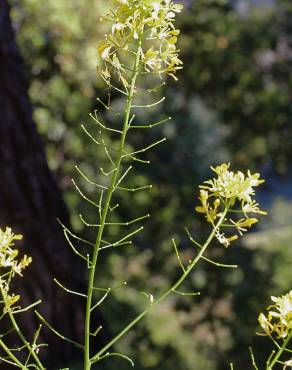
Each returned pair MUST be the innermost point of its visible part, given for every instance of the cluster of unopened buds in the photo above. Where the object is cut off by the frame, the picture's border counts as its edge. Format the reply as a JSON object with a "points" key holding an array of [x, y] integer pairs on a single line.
{"points": [[232, 193]]}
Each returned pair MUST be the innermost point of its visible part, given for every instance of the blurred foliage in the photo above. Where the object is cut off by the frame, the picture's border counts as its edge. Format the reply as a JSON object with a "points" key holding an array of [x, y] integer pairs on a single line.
{"points": [[241, 67], [232, 102]]}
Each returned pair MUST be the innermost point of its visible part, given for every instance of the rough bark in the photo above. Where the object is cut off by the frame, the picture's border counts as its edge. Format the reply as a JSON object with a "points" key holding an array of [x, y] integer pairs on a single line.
{"points": [[30, 201]]}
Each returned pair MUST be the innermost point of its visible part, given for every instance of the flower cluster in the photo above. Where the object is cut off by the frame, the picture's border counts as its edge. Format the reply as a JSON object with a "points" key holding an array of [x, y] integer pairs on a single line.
{"points": [[222, 193], [150, 21], [10, 265], [233, 186], [279, 317], [8, 254]]}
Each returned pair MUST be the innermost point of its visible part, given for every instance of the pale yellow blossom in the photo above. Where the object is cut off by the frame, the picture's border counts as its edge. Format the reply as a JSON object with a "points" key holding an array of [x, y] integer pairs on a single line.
{"points": [[278, 320], [233, 185], [230, 192], [151, 22], [8, 254], [10, 265]]}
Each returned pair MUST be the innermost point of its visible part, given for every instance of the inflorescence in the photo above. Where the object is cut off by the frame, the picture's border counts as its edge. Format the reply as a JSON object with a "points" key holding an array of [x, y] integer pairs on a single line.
{"points": [[132, 19], [226, 192], [10, 265], [278, 321]]}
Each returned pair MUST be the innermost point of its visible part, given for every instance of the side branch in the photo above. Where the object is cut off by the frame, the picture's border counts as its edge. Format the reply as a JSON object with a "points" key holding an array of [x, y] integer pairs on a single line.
{"points": [[145, 149], [174, 287], [68, 290], [78, 345], [152, 124], [149, 105], [94, 117]]}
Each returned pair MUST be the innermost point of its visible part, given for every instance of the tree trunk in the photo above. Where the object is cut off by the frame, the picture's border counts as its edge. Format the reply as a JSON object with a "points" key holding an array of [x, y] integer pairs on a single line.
{"points": [[30, 202]]}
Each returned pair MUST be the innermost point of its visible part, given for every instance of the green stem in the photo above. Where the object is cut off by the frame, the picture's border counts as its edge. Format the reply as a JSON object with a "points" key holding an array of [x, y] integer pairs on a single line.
{"points": [[19, 333], [279, 353], [11, 355], [111, 189], [174, 287]]}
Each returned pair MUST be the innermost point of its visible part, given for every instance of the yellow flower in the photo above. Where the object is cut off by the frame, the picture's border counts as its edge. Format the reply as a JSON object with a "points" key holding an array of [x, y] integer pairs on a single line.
{"points": [[7, 238], [244, 223], [252, 207], [265, 324], [26, 261], [10, 301]]}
